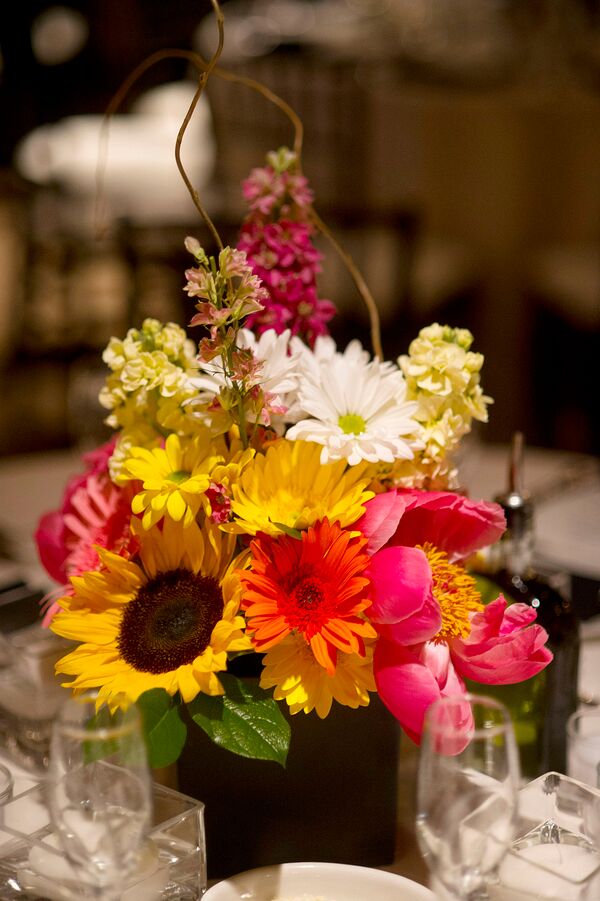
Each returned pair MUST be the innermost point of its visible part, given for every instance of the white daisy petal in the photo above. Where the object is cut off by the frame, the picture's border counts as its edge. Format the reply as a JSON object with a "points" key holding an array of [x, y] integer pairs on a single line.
{"points": [[355, 408]]}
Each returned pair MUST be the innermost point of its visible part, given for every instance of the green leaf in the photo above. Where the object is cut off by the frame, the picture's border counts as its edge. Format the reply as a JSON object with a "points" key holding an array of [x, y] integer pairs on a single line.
{"points": [[164, 730], [293, 533], [245, 720], [489, 590]]}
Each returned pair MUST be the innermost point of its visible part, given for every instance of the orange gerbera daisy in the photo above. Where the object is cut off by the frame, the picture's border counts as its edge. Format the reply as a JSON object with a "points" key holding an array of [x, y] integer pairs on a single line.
{"points": [[313, 586]]}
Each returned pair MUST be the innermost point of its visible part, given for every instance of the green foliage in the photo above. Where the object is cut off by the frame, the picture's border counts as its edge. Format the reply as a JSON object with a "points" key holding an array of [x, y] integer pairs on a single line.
{"points": [[293, 533], [489, 589], [164, 730], [245, 720]]}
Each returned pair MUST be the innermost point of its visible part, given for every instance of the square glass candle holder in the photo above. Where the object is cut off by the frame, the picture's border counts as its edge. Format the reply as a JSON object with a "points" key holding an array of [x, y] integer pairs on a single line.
{"points": [[556, 853], [172, 864]]}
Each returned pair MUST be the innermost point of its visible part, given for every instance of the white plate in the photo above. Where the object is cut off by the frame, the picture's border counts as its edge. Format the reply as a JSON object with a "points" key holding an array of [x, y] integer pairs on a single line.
{"points": [[322, 881]]}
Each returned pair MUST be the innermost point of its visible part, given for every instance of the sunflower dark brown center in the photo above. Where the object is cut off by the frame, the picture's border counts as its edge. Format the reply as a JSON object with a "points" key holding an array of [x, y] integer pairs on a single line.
{"points": [[170, 621]]}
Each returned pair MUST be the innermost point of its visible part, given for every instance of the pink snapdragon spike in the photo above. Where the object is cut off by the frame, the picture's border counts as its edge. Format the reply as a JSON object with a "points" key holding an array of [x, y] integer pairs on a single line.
{"points": [[268, 191], [433, 632], [220, 503], [94, 512], [277, 237]]}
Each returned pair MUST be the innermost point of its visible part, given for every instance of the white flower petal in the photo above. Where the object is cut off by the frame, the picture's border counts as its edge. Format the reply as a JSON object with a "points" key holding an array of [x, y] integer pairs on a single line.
{"points": [[334, 385]]}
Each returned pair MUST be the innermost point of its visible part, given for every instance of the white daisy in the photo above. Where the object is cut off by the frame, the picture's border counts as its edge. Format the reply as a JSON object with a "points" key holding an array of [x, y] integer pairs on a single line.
{"points": [[325, 349], [279, 374], [358, 409]]}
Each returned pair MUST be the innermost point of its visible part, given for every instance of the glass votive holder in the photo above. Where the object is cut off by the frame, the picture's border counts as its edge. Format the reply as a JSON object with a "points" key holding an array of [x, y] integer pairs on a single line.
{"points": [[583, 745], [6, 784], [171, 865], [555, 855]]}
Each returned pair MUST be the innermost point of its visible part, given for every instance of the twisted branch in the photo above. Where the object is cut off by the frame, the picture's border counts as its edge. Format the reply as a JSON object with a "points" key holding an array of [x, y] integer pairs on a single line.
{"points": [[205, 69]]}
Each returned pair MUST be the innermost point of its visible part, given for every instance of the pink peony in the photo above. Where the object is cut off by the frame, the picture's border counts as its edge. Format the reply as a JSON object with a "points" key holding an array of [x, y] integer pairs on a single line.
{"points": [[501, 649], [433, 633], [449, 521]]}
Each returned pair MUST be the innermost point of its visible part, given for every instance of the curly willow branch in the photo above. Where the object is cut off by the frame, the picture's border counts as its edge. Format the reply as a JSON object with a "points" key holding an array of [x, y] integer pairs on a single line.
{"points": [[116, 101], [205, 69], [358, 281]]}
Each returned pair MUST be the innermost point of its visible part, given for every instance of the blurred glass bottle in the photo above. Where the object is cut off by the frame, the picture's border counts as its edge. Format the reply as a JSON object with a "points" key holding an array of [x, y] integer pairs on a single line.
{"points": [[539, 706]]}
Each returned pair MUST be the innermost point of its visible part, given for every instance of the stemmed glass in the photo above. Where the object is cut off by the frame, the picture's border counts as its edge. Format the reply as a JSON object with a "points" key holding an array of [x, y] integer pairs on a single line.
{"points": [[468, 781], [99, 791]]}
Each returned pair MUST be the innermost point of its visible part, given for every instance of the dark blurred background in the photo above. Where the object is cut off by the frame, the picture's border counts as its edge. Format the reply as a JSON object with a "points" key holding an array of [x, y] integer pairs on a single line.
{"points": [[453, 148]]}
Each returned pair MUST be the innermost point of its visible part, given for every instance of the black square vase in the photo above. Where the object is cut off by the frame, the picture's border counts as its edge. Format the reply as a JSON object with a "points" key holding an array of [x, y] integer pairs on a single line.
{"points": [[334, 801]]}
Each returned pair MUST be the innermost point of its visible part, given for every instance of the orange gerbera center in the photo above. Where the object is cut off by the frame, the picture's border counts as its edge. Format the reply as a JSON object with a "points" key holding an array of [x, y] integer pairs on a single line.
{"points": [[456, 593], [313, 586]]}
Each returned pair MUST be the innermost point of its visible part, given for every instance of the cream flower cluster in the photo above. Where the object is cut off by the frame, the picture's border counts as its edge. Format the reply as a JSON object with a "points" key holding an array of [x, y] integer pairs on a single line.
{"points": [[406, 419], [442, 375], [149, 383]]}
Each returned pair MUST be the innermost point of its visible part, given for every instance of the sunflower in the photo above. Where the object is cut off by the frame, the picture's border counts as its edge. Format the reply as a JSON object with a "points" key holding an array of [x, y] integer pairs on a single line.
{"points": [[166, 621], [289, 486], [291, 669], [175, 478], [313, 587]]}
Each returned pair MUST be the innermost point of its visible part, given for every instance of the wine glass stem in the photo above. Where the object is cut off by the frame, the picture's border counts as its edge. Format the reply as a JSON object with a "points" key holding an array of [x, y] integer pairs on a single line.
{"points": [[106, 893], [478, 894]]}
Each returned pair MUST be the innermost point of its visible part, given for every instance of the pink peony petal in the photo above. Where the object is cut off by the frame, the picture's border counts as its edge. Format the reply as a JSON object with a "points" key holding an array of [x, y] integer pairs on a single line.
{"points": [[503, 647], [49, 538], [410, 679], [404, 684], [402, 602], [380, 519], [449, 521], [517, 617]]}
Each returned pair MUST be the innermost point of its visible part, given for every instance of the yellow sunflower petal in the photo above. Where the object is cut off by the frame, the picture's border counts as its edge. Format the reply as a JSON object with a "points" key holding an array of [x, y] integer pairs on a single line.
{"points": [[187, 683], [119, 651], [100, 628]]}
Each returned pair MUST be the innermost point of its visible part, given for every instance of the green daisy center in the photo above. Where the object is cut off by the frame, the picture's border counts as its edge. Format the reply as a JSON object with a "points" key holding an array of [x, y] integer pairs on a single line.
{"points": [[179, 475], [170, 621], [352, 424]]}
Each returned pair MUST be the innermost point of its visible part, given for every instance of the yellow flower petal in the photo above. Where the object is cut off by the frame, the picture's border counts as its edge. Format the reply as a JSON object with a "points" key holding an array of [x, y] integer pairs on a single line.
{"points": [[118, 651], [289, 485]]}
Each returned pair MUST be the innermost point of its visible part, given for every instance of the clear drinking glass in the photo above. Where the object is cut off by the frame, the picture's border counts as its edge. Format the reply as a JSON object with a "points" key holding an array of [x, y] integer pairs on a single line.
{"points": [[468, 781], [583, 745], [6, 786], [99, 791]]}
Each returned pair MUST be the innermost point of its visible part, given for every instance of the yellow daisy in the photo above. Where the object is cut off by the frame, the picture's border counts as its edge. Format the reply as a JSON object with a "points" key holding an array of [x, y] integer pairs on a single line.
{"points": [[290, 486], [167, 621], [298, 679], [175, 478]]}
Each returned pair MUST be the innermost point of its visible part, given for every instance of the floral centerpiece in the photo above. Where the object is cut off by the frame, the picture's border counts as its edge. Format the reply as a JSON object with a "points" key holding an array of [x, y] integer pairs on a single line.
{"points": [[269, 493]]}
